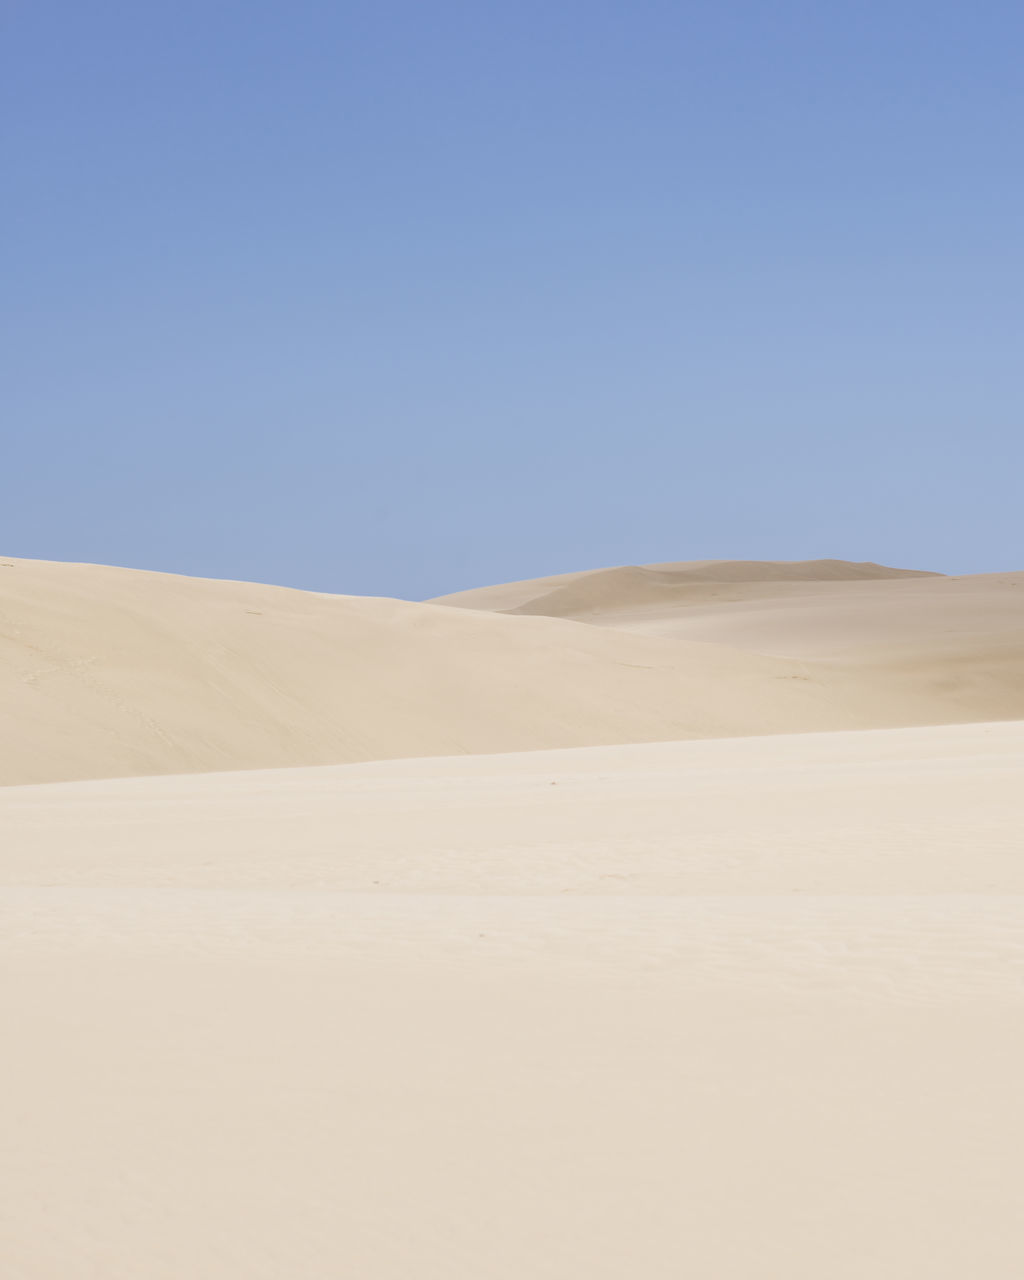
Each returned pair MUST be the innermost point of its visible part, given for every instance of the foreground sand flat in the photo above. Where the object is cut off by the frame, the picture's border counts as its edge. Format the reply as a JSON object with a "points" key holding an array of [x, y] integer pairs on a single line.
{"points": [[738, 1008]]}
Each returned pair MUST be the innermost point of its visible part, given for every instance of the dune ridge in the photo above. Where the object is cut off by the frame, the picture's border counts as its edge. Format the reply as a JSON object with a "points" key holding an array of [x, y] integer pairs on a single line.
{"points": [[570, 594]]}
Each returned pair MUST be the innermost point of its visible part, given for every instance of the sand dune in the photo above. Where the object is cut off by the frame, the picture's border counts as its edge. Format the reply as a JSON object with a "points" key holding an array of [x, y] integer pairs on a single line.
{"points": [[734, 1008], [737, 1007], [571, 594], [113, 672], [110, 672], [806, 609], [957, 640]]}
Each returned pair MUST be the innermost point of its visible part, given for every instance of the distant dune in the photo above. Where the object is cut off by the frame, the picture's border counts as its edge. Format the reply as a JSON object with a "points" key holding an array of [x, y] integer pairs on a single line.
{"points": [[959, 640], [569, 594], [116, 672]]}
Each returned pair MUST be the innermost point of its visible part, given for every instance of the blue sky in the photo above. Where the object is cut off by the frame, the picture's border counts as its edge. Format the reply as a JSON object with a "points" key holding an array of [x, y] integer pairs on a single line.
{"points": [[398, 298]]}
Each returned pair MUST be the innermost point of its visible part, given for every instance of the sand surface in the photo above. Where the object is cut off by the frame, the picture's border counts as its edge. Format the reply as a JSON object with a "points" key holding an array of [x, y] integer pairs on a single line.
{"points": [[738, 1008], [109, 672], [634, 971]]}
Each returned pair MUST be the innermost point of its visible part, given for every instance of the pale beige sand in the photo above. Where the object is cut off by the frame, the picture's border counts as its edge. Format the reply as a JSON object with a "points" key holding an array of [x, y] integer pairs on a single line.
{"points": [[933, 810], [738, 1009], [110, 672]]}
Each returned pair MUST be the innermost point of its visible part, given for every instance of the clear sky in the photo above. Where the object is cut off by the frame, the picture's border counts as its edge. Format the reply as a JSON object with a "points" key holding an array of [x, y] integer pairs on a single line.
{"points": [[400, 297]]}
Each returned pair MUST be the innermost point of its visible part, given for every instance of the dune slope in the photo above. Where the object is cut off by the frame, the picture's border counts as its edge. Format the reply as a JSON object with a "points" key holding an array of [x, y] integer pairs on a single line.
{"points": [[729, 1008], [109, 672], [958, 640], [115, 672]]}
